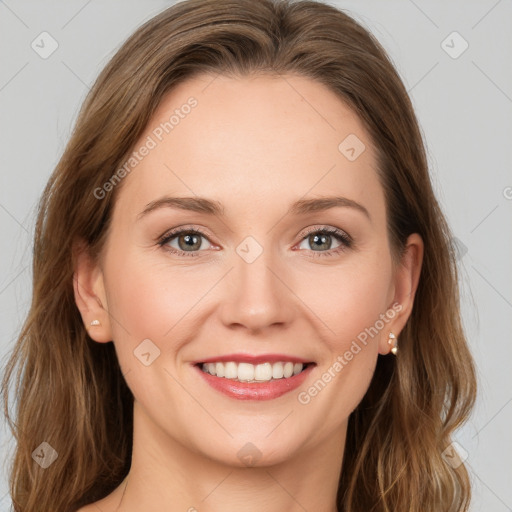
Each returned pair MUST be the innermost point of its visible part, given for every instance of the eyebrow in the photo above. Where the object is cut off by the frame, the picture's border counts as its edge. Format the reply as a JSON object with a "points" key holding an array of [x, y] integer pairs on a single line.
{"points": [[210, 207]]}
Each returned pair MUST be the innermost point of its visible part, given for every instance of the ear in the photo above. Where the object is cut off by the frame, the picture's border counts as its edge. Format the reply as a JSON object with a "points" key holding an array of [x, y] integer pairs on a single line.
{"points": [[406, 279], [89, 291]]}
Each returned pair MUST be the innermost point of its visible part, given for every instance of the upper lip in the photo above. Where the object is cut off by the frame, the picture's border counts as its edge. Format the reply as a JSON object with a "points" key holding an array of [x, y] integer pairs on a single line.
{"points": [[254, 359]]}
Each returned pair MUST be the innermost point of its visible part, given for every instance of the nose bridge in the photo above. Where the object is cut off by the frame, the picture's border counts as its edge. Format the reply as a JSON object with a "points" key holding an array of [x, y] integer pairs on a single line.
{"points": [[259, 297]]}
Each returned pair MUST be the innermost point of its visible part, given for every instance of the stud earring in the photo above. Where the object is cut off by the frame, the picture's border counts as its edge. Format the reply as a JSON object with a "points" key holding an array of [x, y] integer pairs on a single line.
{"points": [[95, 322], [393, 341]]}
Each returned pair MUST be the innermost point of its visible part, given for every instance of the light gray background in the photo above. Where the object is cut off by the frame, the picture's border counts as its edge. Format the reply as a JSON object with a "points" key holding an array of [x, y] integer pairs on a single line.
{"points": [[464, 106]]}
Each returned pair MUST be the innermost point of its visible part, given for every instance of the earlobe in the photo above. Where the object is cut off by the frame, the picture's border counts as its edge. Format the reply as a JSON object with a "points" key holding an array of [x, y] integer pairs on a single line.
{"points": [[406, 282], [90, 298]]}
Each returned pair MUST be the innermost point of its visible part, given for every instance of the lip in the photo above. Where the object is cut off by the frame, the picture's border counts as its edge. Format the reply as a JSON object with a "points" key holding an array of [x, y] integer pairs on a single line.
{"points": [[253, 359], [255, 390]]}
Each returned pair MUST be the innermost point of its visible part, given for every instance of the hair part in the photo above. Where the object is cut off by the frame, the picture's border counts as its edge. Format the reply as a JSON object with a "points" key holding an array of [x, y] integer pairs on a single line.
{"points": [[70, 389]]}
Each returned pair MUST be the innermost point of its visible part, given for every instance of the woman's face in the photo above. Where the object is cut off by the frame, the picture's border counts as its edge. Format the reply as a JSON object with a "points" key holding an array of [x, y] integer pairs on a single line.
{"points": [[261, 284]]}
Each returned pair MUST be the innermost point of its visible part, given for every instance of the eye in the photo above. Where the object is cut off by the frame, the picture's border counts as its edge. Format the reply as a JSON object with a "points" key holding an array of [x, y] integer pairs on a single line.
{"points": [[322, 239], [189, 241]]}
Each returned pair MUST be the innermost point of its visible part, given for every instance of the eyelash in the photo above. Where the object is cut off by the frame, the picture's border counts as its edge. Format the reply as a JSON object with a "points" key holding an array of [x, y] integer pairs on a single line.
{"points": [[341, 236]]}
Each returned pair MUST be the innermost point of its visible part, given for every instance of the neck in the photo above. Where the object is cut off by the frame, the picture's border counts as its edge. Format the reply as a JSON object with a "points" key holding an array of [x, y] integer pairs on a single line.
{"points": [[166, 475]]}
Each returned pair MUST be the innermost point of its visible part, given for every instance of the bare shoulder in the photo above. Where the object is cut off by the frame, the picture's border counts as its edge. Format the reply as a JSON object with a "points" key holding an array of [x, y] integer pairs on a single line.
{"points": [[99, 506], [91, 508], [108, 504]]}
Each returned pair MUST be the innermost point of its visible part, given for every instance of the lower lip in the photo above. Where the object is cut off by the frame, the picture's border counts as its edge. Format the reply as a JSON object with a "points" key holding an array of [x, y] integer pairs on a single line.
{"points": [[255, 390]]}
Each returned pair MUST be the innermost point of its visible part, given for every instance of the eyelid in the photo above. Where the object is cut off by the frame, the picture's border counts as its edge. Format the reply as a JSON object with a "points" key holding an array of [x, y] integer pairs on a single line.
{"points": [[162, 240], [330, 230], [183, 228], [345, 240]]}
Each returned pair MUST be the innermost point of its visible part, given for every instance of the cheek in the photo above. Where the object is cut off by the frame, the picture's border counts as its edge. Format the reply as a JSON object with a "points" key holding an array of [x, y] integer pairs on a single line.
{"points": [[156, 302], [352, 304], [350, 298], [157, 299], [151, 300]]}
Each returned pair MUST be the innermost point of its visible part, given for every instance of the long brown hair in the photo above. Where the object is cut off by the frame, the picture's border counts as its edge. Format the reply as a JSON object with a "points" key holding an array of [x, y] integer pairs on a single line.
{"points": [[70, 390]]}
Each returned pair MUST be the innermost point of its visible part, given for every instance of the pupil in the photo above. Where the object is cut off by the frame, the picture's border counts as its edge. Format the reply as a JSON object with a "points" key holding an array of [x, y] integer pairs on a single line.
{"points": [[191, 241], [322, 239]]}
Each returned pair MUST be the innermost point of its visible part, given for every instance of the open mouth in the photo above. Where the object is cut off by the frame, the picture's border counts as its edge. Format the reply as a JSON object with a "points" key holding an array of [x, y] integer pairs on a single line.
{"points": [[254, 373]]}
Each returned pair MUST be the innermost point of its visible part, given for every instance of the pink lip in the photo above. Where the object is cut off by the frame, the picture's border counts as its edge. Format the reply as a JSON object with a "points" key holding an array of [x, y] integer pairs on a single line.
{"points": [[255, 390], [247, 358]]}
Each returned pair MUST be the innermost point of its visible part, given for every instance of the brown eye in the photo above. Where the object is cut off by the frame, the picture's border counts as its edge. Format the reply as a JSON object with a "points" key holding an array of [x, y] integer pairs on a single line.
{"points": [[320, 241], [184, 242], [189, 241]]}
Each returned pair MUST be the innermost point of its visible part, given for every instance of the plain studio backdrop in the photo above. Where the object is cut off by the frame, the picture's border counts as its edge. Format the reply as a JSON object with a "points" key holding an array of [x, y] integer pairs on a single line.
{"points": [[455, 59]]}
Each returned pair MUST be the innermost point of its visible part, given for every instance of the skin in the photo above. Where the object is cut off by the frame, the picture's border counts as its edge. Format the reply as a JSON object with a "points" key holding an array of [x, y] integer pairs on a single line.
{"points": [[256, 144]]}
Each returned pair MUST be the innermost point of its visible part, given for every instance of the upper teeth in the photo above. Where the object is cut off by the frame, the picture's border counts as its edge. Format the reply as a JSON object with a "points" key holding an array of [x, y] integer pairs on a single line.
{"points": [[249, 372]]}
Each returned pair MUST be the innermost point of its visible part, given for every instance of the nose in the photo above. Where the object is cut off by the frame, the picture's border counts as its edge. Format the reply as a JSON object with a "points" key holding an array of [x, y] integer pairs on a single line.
{"points": [[257, 295]]}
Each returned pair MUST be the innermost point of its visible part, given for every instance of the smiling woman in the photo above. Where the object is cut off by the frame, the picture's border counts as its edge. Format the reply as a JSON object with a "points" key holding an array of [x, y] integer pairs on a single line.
{"points": [[245, 295]]}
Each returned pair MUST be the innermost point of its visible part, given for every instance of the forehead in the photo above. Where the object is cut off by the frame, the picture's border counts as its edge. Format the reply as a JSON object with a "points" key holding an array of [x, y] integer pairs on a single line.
{"points": [[262, 139]]}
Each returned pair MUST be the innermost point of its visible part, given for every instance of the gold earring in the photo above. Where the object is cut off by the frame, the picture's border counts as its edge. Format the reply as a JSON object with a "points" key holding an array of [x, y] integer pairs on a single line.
{"points": [[393, 341], [96, 322]]}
